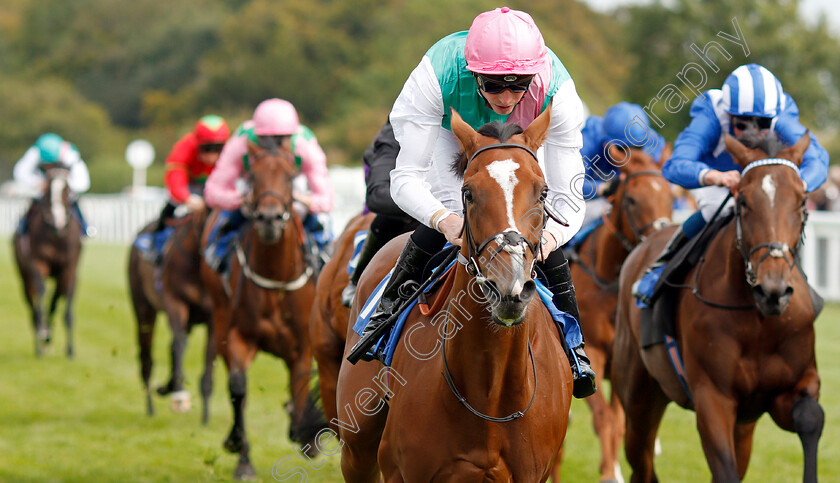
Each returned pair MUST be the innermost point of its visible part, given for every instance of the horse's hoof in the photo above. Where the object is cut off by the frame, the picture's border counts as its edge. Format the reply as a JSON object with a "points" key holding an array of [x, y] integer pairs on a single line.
{"points": [[233, 444], [245, 472], [180, 402], [165, 390]]}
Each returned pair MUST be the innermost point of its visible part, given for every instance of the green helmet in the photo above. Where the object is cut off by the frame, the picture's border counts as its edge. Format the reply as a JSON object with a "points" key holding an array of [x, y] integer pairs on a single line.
{"points": [[49, 145]]}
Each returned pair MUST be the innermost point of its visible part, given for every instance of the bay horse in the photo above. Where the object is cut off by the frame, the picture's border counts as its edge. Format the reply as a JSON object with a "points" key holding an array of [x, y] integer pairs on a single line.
{"points": [[50, 249], [328, 327], [744, 325], [641, 205], [266, 302], [481, 390], [177, 289]]}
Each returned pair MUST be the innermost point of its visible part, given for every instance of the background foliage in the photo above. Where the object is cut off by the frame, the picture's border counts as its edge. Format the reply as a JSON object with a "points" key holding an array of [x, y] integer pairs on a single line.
{"points": [[102, 72]]}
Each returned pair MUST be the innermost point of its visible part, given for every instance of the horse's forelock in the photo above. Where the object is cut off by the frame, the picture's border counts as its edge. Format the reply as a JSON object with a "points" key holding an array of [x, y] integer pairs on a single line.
{"points": [[497, 130]]}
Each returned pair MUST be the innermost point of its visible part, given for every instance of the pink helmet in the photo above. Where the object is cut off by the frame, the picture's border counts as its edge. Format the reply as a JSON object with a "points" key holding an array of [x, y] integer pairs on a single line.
{"points": [[275, 117], [505, 41]]}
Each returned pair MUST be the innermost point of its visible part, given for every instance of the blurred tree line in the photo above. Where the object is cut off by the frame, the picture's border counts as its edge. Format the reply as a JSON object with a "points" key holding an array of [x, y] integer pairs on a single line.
{"points": [[102, 72]]}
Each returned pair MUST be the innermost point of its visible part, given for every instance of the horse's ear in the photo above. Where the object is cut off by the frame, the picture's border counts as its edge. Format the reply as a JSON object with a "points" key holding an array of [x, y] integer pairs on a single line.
{"points": [[536, 132], [620, 157], [465, 133], [795, 152], [740, 153], [667, 151]]}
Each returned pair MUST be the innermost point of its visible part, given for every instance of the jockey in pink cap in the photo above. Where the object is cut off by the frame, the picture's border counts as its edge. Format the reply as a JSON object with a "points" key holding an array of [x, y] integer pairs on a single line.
{"points": [[274, 124], [500, 70]]}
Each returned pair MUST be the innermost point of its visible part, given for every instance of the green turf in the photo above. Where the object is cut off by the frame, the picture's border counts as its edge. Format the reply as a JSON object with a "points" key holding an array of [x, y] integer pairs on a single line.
{"points": [[84, 420]]}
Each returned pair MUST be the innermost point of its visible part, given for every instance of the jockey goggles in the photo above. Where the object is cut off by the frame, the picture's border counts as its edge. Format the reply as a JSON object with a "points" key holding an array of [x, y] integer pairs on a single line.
{"points": [[742, 123], [211, 148], [494, 84]]}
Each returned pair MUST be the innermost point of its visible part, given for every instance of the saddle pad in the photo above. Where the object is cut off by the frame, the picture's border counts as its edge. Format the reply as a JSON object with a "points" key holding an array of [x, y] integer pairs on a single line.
{"points": [[571, 328], [358, 241]]}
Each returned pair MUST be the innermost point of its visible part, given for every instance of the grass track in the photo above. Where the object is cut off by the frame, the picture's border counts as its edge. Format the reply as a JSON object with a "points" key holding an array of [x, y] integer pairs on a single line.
{"points": [[84, 420]]}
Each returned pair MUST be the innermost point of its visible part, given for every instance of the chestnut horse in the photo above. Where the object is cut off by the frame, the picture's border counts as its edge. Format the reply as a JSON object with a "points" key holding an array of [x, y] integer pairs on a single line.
{"points": [[176, 288], [50, 249], [267, 301], [481, 391], [328, 327], [744, 328], [641, 205]]}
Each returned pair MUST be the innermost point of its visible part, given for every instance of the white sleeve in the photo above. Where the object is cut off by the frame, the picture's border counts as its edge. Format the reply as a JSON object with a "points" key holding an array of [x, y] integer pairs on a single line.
{"points": [[79, 178], [563, 163], [416, 119], [26, 170]]}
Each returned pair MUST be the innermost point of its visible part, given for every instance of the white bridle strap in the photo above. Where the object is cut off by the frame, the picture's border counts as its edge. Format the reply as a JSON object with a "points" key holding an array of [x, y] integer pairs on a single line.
{"points": [[770, 161]]}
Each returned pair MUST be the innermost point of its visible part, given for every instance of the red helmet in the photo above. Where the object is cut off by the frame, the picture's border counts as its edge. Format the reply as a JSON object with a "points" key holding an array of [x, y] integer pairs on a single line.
{"points": [[211, 129]]}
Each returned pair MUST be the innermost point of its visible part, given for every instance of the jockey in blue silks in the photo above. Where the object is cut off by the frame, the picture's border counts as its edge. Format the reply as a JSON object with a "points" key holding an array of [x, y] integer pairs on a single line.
{"points": [[623, 125], [750, 105]]}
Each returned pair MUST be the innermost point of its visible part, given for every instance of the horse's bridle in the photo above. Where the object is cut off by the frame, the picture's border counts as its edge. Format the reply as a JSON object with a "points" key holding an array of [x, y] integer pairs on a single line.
{"points": [[775, 249], [638, 233], [504, 239]]}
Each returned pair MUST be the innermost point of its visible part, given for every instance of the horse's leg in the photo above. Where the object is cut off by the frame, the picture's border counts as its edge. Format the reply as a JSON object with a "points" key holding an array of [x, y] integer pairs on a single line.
{"points": [[799, 411], [66, 286], [146, 314], [207, 377], [644, 403], [240, 355], [53, 306], [178, 315], [743, 446], [602, 416], [618, 435], [360, 432], [35, 294], [328, 349], [716, 417]]}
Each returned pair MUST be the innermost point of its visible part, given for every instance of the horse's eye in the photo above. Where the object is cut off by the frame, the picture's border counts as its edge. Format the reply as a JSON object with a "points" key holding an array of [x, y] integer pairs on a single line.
{"points": [[468, 197], [544, 194], [631, 201]]}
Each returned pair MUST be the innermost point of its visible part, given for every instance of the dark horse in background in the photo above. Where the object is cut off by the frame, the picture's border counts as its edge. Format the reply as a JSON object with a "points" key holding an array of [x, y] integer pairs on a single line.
{"points": [[744, 325], [176, 288], [50, 249], [266, 301]]}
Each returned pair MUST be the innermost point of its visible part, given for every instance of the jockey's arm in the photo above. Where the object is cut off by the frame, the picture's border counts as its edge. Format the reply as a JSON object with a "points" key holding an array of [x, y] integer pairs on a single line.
{"points": [[814, 167], [564, 164], [26, 170], [79, 178], [684, 168], [416, 119], [314, 167], [220, 189], [177, 178]]}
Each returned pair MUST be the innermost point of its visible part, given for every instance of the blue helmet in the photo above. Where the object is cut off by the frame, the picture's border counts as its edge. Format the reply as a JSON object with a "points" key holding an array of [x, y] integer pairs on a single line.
{"points": [[620, 124], [752, 90], [49, 145]]}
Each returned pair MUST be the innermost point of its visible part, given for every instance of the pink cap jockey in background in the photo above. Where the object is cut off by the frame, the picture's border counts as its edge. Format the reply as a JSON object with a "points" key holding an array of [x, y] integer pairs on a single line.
{"points": [[273, 117]]}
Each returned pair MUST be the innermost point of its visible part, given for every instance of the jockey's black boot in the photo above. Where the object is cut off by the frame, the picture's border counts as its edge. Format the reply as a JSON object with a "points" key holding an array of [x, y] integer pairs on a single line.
{"points": [[560, 284], [370, 246], [409, 265]]}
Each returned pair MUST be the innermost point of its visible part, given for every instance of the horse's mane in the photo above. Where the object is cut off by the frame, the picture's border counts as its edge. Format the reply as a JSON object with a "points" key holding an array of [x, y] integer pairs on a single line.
{"points": [[494, 129]]}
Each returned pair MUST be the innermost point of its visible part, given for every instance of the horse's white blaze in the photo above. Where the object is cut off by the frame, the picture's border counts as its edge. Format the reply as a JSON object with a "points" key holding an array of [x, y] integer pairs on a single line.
{"points": [[769, 187], [57, 205], [655, 185], [504, 172]]}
